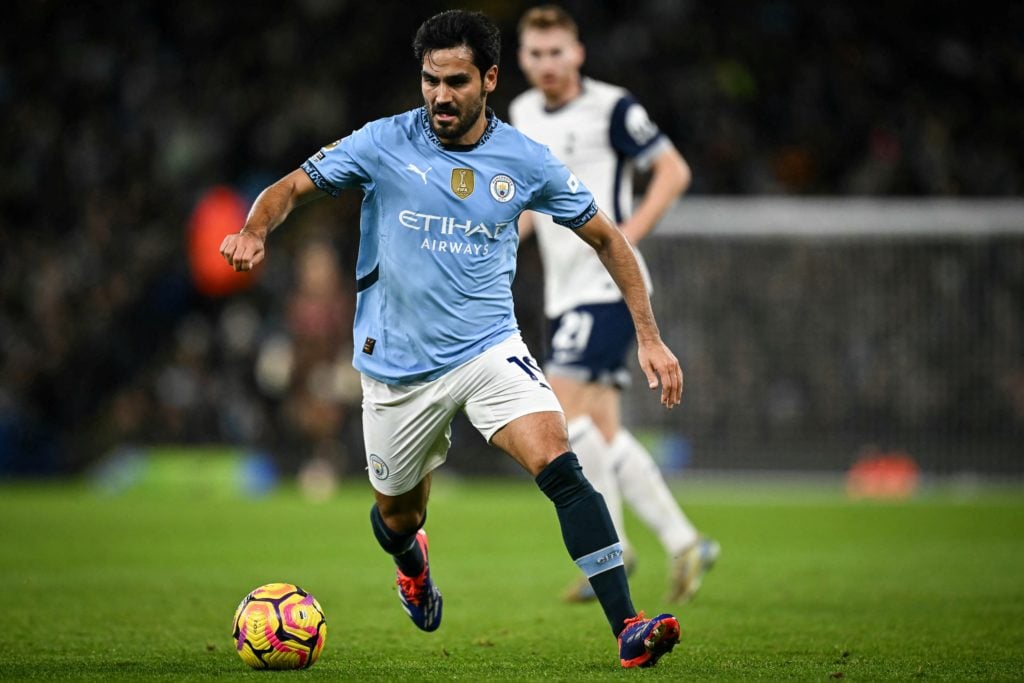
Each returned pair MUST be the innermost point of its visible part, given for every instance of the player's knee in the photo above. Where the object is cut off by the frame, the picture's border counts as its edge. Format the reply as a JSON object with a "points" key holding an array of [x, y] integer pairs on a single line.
{"points": [[562, 481], [394, 532], [406, 522], [401, 521]]}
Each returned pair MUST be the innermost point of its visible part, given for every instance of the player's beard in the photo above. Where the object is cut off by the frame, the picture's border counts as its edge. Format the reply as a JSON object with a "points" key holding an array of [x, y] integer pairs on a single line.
{"points": [[464, 119]]}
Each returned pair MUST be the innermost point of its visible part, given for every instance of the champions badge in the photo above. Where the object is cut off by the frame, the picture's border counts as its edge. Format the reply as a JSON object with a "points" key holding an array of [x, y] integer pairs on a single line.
{"points": [[462, 182], [502, 188]]}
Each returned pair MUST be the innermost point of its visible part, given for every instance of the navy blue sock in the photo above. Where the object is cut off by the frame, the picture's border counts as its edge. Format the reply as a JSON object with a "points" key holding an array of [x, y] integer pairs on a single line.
{"points": [[403, 547], [589, 535]]}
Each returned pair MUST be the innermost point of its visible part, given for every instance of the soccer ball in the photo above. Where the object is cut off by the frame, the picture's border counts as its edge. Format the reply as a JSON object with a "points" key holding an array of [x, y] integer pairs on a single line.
{"points": [[279, 626]]}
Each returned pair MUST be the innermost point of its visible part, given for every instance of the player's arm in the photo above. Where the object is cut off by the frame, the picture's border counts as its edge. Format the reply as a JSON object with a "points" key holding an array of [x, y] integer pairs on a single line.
{"points": [[670, 177], [244, 249], [656, 360]]}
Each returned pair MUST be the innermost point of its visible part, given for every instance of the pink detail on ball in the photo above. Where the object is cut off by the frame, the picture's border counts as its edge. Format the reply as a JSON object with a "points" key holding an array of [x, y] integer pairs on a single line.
{"points": [[276, 643], [289, 619]]}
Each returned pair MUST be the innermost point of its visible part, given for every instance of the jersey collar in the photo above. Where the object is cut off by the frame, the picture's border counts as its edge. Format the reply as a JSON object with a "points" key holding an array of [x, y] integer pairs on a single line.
{"points": [[428, 130]]}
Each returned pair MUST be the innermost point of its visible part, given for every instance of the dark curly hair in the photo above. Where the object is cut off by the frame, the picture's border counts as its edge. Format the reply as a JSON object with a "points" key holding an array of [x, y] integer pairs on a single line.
{"points": [[456, 28]]}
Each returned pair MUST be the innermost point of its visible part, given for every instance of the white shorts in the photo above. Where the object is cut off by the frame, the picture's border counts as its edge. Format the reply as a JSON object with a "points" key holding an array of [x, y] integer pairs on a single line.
{"points": [[407, 427]]}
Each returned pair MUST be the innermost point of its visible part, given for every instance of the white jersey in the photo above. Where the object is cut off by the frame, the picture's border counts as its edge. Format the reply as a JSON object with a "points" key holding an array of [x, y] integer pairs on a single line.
{"points": [[602, 135]]}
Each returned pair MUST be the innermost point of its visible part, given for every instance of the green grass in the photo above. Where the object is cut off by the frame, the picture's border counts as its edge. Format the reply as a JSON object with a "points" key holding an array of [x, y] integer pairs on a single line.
{"points": [[810, 586]]}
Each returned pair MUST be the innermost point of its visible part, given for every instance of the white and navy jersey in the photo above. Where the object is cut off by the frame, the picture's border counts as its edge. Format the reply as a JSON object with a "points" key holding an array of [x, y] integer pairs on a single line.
{"points": [[438, 237], [602, 135]]}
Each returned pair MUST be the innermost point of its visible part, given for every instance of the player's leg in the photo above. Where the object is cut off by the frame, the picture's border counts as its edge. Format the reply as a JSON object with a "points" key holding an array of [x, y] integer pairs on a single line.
{"points": [[397, 525], [539, 442], [396, 520], [637, 477], [642, 485], [575, 358], [590, 446], [644, 489], [577, 353], [593, 453], [407, 434], [588, 534], [511, 404]]}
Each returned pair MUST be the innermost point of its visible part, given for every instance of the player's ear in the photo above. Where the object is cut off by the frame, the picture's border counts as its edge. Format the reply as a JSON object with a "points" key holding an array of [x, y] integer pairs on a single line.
{"points": [[491, 79], [581, 54]]}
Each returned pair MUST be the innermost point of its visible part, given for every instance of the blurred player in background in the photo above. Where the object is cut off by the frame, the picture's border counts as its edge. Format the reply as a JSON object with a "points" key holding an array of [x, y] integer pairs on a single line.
{"points": [[435, 332], [601, 133]]}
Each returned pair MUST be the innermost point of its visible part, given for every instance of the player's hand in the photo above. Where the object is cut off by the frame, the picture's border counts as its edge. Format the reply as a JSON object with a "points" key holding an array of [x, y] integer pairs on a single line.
{"points": [[242, 250], [659, 363]]}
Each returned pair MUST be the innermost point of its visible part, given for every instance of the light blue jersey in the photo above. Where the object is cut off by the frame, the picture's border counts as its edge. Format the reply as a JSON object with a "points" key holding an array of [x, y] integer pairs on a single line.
{"points": [[438, 237]]}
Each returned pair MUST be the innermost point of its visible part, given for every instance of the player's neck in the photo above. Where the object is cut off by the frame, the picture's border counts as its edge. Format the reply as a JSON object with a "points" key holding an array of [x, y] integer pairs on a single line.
{"points": [[557, 100], [472, 136]]}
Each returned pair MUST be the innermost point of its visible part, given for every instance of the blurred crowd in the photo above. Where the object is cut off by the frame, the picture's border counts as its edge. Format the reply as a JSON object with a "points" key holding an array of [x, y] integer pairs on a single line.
{"points": [[118, 117]]}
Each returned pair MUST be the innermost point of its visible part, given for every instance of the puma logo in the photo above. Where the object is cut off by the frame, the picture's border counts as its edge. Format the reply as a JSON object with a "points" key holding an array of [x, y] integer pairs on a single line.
{"points": [[421, 174]]}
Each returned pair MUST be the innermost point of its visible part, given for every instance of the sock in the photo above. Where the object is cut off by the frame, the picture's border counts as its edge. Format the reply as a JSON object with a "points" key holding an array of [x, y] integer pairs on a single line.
{"points": [[403, 547], [594, 455], [589, 535], [643, 487]]}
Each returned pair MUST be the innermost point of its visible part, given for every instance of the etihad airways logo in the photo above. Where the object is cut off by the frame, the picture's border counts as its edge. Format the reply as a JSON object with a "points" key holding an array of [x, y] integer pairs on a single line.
{"points": [[447, 225]]}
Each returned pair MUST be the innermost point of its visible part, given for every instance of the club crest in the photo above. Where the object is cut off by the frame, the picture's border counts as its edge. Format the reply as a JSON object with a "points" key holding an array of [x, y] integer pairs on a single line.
{"points": [[379, 467], [502, 188]]}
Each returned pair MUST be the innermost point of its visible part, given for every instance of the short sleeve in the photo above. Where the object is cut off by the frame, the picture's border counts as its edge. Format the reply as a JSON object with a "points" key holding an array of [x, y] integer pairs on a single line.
{"points": [[562, 196], [632, 132], [344, 163]]}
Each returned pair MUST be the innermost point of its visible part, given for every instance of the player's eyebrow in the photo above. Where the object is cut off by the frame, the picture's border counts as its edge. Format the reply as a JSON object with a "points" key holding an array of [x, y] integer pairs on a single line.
{"points": [[455, 79]]}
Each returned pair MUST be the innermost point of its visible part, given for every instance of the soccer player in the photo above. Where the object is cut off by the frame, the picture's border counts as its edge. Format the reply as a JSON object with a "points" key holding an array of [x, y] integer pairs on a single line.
{"points": [[601, 132], [443, 187]]}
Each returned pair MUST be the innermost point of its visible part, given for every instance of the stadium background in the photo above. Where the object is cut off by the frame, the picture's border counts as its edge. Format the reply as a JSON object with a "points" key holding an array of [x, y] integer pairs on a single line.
{"points": [[132, 131]]}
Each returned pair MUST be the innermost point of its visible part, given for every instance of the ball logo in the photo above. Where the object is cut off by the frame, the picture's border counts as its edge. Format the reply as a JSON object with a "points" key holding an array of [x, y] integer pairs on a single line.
{"points": [[502, 188], [379, 467]]}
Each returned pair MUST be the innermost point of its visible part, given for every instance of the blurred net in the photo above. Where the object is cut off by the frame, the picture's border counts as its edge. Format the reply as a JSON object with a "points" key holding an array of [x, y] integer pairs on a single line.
{"points": [[813, 330]]}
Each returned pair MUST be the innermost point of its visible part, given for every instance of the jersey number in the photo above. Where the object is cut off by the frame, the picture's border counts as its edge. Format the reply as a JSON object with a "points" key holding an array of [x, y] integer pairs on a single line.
{"points": [[573, 333], [529, 366]]}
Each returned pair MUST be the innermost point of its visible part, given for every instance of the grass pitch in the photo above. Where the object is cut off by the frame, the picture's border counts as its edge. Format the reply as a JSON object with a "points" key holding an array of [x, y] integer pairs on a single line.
{"points": [[810, 586]]}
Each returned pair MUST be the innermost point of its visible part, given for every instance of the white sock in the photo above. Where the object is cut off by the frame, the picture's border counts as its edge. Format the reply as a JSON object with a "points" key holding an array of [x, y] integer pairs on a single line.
{"points": [[640, 483], [593, 453]]}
